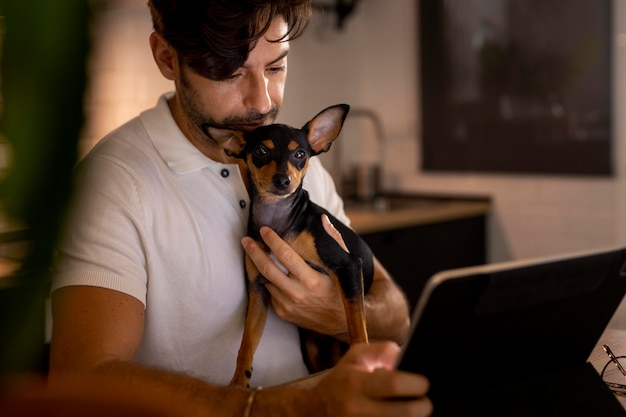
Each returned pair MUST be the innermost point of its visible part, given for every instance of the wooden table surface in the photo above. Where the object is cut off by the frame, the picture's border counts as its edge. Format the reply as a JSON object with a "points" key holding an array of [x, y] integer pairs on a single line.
{"points": [[616, 340]]}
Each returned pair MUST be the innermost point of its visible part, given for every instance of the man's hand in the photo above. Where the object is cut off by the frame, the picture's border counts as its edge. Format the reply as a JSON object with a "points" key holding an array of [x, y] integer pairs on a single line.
{"points": [[309, 299], [364, 384], [302, 295]]}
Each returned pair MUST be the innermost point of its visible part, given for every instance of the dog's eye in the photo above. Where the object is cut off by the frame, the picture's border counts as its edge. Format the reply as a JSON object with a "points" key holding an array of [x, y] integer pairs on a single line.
{"points": [[300, 154], [260, 151]]}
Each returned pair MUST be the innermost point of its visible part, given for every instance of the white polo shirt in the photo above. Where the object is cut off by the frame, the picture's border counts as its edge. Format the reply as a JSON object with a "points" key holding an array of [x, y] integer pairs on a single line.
{"points": [[154, 218]]}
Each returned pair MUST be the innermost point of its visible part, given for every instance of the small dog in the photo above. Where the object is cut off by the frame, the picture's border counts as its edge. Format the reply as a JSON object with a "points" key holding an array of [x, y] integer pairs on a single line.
{"points": [[277, 158]]}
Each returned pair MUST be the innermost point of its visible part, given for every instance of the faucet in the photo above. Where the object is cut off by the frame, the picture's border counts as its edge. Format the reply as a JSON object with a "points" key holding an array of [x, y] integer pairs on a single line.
{"points": [[364, 182]]}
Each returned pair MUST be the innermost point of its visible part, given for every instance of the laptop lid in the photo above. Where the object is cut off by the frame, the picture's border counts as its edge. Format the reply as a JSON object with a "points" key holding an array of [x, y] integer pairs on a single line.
{"points": [[484, 327]]}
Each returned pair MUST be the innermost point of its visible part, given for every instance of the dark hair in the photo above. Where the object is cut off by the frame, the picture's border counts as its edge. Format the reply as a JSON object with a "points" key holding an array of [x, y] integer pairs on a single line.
{"points": [[214, 37]]}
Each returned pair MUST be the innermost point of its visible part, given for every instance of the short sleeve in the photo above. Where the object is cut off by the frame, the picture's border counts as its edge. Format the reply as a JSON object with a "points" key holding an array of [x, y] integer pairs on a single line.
{"points": [[102, 244]]}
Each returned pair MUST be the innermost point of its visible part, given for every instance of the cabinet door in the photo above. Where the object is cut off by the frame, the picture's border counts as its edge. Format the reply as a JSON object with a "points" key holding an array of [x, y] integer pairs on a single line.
{"points": [[412, 255]]}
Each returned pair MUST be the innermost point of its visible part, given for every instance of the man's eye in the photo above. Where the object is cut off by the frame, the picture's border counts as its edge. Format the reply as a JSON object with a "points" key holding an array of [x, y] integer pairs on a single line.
{"points": [[260, 151], [276, 70]]}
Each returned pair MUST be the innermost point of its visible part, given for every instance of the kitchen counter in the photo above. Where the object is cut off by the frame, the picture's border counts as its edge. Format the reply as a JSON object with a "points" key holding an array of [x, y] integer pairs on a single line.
{"points": [[365, 220]]}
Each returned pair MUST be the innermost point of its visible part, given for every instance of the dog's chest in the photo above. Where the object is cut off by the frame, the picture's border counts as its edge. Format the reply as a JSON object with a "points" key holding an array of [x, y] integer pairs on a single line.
{"points": [[286, 218], [274, 217]]}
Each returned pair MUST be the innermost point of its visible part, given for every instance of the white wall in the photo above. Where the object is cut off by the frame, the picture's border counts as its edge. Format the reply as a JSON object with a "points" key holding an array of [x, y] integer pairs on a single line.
{"points": [[373, 64], [124, 79]]}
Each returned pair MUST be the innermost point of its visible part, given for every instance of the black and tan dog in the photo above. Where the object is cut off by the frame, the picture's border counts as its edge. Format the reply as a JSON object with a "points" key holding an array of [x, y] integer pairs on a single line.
{"points": [[277, 157]]}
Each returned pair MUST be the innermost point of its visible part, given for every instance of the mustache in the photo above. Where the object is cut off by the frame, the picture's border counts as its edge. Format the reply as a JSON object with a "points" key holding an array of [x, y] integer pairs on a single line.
{"points": [[233, 123], [249, 118]]}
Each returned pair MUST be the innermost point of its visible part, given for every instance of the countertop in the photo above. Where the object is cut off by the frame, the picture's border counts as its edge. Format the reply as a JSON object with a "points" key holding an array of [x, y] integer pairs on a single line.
{"points": [[414, 211], [616, 339]]}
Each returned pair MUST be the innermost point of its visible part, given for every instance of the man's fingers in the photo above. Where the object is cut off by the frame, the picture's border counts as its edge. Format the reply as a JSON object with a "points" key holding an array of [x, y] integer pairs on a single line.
{"points": [[263, 262], [366, 373], [375, 355], [379, 358], [286, 261], [397, 385], [403, 393], [283, 252]]}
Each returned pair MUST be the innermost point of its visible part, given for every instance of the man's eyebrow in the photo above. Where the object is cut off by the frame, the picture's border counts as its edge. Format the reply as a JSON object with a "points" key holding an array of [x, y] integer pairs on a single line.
{"points": [[281, 56]]}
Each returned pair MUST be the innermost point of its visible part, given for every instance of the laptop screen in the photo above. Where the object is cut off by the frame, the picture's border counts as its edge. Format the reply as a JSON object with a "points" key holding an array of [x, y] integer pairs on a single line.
{"points": [[483, 327]]}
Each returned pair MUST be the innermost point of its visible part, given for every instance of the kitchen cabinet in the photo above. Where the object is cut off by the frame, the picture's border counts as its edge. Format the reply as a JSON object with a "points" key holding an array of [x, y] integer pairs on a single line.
{"points": [[415, 242]]}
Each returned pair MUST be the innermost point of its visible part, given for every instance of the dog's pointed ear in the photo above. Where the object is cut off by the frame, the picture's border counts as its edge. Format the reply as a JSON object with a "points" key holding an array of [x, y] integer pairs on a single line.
{"points": [[232, 141], [324, 128]]}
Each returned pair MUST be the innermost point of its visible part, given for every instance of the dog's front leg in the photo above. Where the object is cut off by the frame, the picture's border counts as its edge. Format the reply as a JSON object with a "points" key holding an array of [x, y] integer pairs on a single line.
{"points": [[349, 279], [256, 315]]}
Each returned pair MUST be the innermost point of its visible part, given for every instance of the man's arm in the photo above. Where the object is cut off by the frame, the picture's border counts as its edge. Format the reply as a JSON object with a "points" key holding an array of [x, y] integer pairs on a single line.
{"points": [[386, 308], [97, 331], [309, 299]]}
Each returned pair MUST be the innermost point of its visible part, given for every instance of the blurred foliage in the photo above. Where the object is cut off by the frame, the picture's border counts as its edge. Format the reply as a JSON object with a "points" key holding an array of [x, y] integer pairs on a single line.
{"points": [[43, 78]]}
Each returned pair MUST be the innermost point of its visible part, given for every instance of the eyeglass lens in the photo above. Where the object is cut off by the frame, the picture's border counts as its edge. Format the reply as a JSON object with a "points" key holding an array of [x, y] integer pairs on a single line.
{"points": [[613, 373]]}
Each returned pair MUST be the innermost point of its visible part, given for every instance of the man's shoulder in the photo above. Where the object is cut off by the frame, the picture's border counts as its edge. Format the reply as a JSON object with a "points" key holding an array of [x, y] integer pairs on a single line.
{"points": [[128, 144], [132, 140]]}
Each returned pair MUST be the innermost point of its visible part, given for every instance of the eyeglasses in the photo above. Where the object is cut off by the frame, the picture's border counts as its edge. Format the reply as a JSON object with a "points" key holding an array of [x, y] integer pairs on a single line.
{"points": [[614, 376]]}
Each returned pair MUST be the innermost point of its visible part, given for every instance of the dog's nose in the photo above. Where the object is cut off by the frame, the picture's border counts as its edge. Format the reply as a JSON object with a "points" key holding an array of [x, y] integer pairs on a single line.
{"points": [[281, 181]]}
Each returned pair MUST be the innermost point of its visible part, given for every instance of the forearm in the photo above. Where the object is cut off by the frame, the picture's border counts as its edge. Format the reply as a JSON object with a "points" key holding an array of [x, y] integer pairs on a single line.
{"points": [[152, 390], [301, 402], [386, 309], [95, 336], [148, 390]]}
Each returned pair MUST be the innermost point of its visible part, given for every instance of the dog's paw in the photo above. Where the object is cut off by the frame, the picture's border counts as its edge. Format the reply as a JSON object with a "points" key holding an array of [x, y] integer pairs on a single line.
{"points": [[242, 379]]}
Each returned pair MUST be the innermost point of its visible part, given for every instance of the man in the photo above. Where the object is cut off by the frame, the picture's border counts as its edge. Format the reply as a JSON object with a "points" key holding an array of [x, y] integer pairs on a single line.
{"points": [[150, 286]]}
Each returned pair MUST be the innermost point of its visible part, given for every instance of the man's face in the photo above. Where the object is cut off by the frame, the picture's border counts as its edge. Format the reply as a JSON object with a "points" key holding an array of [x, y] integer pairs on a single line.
{"points": [[251, 97]]}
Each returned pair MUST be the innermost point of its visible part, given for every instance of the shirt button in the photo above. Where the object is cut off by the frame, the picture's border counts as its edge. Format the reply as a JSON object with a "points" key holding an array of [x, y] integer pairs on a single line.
{"points": [[242, 204], [225, 173]]}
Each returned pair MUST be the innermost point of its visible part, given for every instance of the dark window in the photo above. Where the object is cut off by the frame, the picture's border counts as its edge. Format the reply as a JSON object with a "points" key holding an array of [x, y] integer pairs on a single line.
{"points": [[520, 86]]}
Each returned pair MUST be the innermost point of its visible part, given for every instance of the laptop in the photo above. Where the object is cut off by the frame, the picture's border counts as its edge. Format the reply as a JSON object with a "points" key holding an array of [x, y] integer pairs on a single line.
{"points": [[513, 338]]}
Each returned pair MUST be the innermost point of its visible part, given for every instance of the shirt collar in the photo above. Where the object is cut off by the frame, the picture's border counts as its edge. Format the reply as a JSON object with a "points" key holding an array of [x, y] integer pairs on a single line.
{"points": [[176, 150]]}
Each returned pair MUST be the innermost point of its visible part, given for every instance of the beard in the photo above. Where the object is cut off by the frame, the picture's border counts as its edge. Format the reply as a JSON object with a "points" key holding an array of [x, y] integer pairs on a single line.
{"points": [[201, 121]]}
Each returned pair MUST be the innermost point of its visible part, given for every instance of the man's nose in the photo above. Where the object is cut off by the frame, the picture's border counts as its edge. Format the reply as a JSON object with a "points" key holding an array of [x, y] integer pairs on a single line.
{"points": [[258, 95]]}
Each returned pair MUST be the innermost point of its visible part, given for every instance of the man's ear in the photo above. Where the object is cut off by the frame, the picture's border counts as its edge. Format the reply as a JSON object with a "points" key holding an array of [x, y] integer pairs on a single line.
{"points": [[324, 128], [232, 141], [164, 55]]}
